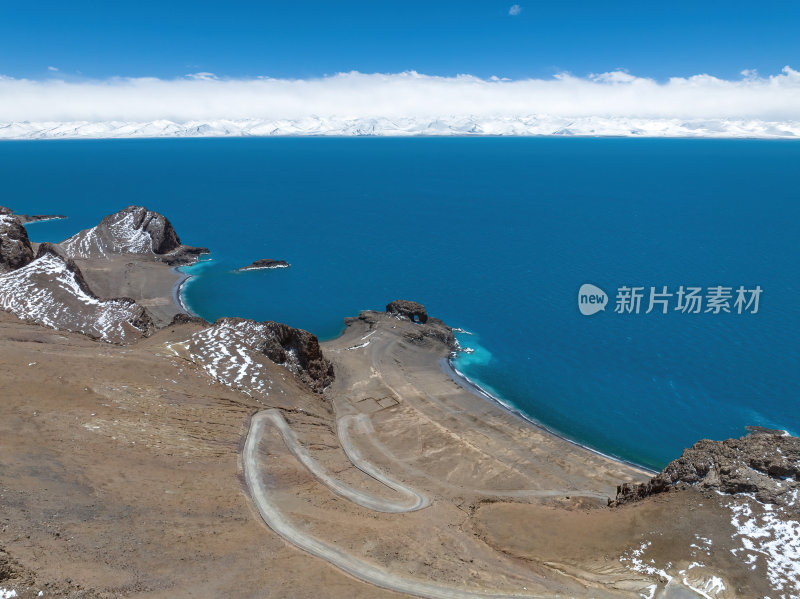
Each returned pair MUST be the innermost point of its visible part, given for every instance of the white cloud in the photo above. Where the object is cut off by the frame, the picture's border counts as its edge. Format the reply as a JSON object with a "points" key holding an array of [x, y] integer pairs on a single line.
{"points": [[202, 97], [52, 68], [202, 76], [514, 10]]}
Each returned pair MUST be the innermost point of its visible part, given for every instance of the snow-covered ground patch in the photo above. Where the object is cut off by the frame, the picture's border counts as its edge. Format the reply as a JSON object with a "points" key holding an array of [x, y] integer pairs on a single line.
{"points": [[695, 576], [226, 353], [47, 292], [771, 534], [634, 559]]}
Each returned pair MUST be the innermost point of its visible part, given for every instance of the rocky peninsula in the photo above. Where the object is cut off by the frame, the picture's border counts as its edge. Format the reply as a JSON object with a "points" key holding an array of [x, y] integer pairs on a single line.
{"points": [[146, 452]]}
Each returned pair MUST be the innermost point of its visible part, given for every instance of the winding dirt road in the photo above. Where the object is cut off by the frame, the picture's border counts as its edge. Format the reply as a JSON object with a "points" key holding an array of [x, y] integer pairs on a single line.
{"points": [[414, 500], [263, 498], [418, 500]]}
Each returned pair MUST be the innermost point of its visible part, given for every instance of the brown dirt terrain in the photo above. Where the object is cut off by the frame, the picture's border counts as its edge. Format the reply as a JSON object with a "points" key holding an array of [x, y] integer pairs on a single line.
{"points": [[121, 476]]}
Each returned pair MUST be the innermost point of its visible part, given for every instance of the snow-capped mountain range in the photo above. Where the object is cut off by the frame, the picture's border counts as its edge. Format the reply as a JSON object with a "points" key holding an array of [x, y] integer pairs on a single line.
{"points": [[534, 125]]}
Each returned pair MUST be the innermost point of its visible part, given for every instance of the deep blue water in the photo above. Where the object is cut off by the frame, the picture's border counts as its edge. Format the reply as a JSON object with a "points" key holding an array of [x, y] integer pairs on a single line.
{"points": [[494, 235]]}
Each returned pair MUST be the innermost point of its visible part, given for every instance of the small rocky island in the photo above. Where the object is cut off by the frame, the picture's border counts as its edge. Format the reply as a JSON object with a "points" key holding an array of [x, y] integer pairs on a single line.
{"points": [[30, 218], [265, 263], [147, 452]]}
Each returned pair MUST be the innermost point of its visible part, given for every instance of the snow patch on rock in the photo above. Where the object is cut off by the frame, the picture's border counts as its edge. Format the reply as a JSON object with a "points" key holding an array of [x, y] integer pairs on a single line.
{"points": [[47, 291], [226, 353]]}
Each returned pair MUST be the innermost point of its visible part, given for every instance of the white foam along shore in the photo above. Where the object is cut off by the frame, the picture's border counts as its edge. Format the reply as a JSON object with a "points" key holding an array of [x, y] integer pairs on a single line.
{"points": [[464, 126], [448, 367]]}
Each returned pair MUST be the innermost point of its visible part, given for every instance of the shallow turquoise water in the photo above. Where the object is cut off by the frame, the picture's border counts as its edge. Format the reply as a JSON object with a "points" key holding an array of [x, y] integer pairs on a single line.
{"points": [[495, 236]]}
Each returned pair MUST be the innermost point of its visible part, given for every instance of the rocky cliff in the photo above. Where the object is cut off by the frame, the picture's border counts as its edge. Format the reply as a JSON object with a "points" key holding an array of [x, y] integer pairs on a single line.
{"points": [[230, 351], [15, 248], [764, 463], [134, 230]]}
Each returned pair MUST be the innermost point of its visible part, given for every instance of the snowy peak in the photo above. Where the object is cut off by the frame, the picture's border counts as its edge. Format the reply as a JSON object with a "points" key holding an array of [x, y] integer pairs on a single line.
{"points": [[134, 230]]}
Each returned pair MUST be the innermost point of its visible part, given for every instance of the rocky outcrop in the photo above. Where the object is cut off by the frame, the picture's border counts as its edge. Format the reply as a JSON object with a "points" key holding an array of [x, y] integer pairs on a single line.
{"points": [[134, 230], [227, 349], [265, 263], [51, 291], [15, 247], [765, 463], [30, 218], [402, 313], [405, 309], [180, 318]]}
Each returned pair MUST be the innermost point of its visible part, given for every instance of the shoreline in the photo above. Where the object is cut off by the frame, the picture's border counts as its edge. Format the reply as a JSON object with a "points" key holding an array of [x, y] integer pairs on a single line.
{"points": [[177, 291], [463, 381]]}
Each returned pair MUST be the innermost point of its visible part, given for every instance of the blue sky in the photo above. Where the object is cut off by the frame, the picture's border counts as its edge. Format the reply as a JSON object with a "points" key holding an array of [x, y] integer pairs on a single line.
{"points": [[312, 38]]}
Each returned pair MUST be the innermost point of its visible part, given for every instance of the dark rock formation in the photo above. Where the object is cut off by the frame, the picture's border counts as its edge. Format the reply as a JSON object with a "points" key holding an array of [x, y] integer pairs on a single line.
{"points": [[15, 247], [415, 331], [406, 309], [134, 230], [296, 346], [181, 318], [265, 263], [765, 463]]}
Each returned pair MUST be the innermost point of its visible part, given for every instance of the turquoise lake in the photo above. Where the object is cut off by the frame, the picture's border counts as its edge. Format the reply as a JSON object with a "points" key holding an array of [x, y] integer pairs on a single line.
{"points": [[495, 236]]}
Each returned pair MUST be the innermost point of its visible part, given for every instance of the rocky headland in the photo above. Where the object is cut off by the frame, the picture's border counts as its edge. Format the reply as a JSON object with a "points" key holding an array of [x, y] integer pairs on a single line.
{"points": [[132, 231], [146, 452], [765, 463]]}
